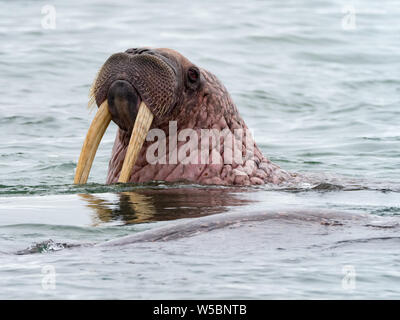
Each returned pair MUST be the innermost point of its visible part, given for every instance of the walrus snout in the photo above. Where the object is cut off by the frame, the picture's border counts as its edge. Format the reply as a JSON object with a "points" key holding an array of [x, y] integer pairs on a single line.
{"points": [[123, 104], [131, 88], [151, 75]]}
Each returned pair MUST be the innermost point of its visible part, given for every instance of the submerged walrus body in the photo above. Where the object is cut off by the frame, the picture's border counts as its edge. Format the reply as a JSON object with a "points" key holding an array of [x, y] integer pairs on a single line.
{"points": [[318, 224], [147, 89]]}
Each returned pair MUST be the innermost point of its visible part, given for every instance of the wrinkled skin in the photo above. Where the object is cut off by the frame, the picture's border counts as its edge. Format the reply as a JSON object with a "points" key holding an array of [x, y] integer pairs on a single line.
{"points": [[195, 99]]}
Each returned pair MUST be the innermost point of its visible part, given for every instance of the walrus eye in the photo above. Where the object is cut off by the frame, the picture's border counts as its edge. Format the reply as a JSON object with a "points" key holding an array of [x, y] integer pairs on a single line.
{"points": [[193, 75]]}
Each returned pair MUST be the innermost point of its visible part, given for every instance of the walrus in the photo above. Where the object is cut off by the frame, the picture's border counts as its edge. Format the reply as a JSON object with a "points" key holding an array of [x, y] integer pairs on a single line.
{"points": [[143, 89], [333, 222]]}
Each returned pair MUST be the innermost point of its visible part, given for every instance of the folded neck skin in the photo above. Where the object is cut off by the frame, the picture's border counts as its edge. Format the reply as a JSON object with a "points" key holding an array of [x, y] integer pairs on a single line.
{"points": [[217, 111], [195, 100]]}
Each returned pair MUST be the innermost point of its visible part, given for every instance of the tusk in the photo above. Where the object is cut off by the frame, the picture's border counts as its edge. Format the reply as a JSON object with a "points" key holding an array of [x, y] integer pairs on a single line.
{"points": [[93, 137], [139, 133]]}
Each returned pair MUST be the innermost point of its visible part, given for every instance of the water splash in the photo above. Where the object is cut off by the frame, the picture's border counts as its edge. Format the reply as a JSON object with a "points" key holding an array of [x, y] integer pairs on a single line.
{"points": [[46, 246]]}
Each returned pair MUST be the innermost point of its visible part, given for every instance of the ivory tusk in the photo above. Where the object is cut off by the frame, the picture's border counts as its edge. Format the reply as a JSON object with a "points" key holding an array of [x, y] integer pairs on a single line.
{"points": [[93, 137], [142, 125]]}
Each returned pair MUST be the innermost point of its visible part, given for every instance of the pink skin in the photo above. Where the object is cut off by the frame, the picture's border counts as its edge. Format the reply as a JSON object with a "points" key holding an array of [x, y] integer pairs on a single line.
{"points": [[211, 108]]}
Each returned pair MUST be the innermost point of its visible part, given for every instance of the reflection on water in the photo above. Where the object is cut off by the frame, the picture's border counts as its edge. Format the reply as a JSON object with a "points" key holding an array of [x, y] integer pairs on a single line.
{"points": [[160, 205]]}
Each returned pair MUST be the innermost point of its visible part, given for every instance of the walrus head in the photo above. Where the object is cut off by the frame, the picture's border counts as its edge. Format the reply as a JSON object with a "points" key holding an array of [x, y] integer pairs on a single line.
{"points": [[143, 89]]}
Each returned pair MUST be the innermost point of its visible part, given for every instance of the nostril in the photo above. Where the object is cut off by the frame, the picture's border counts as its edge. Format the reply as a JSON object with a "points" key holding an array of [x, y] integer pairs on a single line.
{"points": [[139, 51], [142, 50], [131, 50]]}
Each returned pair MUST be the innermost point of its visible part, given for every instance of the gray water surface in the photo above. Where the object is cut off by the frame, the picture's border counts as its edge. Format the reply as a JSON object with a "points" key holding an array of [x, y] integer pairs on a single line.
{"points": [[321, 97]]}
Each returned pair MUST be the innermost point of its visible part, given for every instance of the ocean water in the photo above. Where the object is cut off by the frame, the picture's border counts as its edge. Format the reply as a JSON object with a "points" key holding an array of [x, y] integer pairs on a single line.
{"points": [[316, 81]]}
